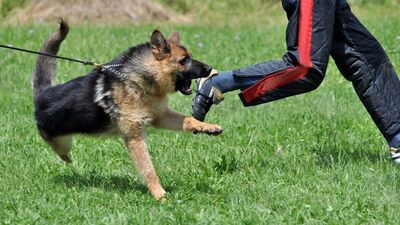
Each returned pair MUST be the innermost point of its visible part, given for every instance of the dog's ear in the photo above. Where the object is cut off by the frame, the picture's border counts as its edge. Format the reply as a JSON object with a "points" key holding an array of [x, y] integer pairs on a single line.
{"points": [[174, 38], [159, 46]]}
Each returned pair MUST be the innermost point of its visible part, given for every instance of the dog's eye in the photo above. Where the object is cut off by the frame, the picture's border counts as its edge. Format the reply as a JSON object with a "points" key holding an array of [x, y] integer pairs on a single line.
{"points": [[185, 60]]}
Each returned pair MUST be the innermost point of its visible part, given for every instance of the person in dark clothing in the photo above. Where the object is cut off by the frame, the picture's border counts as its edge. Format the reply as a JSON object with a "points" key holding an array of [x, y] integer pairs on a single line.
{"points": [[316, 30]]}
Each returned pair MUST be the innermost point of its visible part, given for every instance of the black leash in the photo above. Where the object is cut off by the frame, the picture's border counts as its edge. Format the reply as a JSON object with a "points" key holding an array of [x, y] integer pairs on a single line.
{"points": [[91, 63]]}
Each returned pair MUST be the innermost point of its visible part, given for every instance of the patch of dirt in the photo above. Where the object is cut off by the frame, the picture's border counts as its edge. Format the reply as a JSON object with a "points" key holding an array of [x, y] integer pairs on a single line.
{"points": [[112, 12]]}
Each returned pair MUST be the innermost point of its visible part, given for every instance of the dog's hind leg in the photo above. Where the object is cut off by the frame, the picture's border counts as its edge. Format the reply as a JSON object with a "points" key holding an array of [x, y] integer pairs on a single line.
{"points": [[62, 146]]}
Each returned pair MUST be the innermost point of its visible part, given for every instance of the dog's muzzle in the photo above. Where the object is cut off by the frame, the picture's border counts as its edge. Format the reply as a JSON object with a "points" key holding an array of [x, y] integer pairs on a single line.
{"points": [[196, 70]]}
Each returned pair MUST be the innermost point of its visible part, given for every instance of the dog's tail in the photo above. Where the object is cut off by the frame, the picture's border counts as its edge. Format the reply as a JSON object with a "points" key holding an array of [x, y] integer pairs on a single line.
{"points": [[44, 74]]}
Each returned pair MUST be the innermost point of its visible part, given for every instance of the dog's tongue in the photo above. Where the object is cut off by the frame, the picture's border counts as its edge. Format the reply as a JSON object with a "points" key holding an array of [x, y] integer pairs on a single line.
{"points": [[185, 88]]}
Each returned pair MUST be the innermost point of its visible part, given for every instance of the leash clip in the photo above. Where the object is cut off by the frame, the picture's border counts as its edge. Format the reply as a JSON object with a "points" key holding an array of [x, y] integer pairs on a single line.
{"points": [[97, 65]]}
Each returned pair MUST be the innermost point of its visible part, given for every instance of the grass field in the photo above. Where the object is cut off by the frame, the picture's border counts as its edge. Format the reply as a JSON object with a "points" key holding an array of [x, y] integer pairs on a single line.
{"points": [[316, 158]]}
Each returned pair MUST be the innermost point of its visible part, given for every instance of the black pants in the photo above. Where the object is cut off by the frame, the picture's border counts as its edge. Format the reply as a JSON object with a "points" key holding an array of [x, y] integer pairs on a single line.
{"points": [[316, 30]]}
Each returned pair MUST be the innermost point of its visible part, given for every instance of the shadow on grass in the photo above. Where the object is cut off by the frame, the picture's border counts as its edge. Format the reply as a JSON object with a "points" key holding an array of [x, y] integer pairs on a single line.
{"points": [[115, 183], [93, 179]]}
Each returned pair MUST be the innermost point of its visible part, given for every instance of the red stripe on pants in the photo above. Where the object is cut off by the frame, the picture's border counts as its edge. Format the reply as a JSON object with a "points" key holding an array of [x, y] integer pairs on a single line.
{"points": [[289, 75]]}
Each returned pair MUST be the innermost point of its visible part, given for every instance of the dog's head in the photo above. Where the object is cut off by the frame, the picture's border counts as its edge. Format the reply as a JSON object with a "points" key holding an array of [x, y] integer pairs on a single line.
{"points": [[177, 60]]}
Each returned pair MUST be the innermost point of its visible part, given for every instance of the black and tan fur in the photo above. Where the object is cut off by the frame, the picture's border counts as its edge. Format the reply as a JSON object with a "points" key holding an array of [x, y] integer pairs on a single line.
{"points": [[122, 99]]}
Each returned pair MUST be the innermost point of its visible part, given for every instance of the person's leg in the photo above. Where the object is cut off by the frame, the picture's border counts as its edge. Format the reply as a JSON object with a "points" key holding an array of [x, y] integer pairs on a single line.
{"points": [[227, 81], [363, 61], [302, 69]]}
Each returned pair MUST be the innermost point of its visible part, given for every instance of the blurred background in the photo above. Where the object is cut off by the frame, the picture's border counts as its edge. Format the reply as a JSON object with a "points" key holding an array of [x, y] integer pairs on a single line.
{"points": [[193, 12]]}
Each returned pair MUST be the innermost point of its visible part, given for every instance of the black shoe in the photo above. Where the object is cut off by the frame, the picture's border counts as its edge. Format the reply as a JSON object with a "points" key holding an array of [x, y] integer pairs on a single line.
{"points": [[206, 96]]}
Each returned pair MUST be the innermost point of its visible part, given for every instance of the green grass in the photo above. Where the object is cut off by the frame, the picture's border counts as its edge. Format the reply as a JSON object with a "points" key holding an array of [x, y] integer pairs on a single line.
{"points": [[322, 161]]}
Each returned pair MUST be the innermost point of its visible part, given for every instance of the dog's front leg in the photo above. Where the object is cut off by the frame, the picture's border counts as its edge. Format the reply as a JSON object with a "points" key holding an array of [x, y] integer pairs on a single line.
{"points": [[135, 140], [172, 120]]}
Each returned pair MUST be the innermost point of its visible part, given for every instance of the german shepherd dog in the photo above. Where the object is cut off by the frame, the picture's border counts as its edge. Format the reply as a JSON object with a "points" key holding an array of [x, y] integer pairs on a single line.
{"points": [[122, 97]]}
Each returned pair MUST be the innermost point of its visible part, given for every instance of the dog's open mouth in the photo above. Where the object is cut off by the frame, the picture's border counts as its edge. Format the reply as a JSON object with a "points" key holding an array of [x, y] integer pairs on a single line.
{"points": [[183, 85]]}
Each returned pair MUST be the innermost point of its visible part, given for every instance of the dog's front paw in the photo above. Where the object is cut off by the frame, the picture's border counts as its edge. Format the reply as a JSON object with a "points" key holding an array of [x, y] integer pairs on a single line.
{"points": [[211, 129], [195, 126]]}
